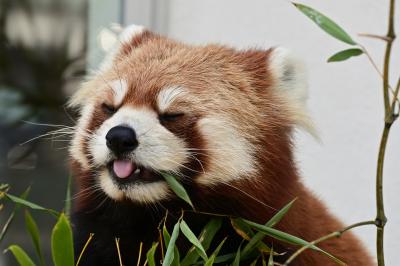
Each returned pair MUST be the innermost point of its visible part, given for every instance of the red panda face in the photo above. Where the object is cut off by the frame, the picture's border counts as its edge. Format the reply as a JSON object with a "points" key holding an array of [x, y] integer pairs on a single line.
{"points": [[199, 113]]}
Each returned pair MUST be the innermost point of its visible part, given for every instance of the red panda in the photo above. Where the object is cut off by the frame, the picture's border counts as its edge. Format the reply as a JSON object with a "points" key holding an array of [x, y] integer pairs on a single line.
{"points": [[217, 118]]}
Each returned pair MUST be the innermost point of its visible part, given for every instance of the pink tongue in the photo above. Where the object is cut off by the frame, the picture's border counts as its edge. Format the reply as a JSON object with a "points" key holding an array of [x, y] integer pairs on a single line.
{"points": [[123, 169]]}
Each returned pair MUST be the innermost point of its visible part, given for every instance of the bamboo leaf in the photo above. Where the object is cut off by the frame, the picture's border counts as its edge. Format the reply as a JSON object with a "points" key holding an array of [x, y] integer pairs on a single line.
{"points": [[254, 263], [169, 255], [29, 204], [325, 23], [205, 238], [151, 255], [68, 198], [20, 255], [24, 195], [241, 228], [62, 243], [258, 237], [279, 215], [289, 238], [345, 54], [271, 258], [211, 259], [236, 262], [193, 239], [166, 236], [177, 188], [33, 231], [225, 258]]}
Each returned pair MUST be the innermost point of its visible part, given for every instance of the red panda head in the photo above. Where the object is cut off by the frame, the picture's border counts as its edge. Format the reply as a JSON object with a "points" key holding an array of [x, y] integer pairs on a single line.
{"points": [[205, 114]]}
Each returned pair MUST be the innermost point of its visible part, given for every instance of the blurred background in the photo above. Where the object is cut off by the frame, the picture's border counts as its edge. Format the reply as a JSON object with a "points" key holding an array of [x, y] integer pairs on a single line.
{"points": [[47, 46], [43, 46]]}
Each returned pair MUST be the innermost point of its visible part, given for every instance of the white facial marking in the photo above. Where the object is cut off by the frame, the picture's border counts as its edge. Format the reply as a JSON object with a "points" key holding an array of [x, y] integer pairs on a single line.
{"points": [[125, 37], [76, 149], [168, 95], [158, 150], [148, 192], [231, 155], [119, 89], [144, 193], [109, 187]]}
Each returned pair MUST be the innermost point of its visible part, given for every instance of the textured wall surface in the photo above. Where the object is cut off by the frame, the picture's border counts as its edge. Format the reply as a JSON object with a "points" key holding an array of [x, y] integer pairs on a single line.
{"points": [[345, 98]]}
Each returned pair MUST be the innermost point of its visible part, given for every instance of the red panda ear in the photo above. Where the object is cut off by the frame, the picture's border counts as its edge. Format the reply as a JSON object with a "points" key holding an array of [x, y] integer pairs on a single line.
{"points": [[290, 82], [129, 38], [289, 74]]}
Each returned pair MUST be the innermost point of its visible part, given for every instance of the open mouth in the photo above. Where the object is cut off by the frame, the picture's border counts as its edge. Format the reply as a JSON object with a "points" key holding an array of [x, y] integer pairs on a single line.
{"points": [[127, 172]]}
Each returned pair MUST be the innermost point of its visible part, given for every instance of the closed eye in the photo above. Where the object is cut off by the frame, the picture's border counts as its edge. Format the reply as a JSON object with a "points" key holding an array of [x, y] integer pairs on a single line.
{"points": [[170, 117], [108, 109]]}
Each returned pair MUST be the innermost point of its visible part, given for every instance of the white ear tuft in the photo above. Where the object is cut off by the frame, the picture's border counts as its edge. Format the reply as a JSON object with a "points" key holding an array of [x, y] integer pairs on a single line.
{"points": [[129, 32], [125, 36], [289, 73], [290, 76]]}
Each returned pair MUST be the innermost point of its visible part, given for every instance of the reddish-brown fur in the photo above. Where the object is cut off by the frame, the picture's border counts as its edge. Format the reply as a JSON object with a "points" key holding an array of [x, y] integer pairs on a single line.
{"points": [[242, 80]]}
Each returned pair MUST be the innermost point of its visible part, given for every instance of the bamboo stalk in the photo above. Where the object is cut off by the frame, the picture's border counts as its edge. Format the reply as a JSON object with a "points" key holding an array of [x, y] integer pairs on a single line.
{"points": [[389, 120]]}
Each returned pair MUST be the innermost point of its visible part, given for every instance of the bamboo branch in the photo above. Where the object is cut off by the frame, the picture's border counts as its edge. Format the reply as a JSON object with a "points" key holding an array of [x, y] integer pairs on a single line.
{"points": [[395, 115], [374, 36], [323, 238], [390, 38], [389, 119], [375, 66]]}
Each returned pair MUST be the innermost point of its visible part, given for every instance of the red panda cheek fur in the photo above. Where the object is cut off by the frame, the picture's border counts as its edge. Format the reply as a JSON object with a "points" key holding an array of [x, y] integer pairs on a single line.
{"points": [[262, 93]]}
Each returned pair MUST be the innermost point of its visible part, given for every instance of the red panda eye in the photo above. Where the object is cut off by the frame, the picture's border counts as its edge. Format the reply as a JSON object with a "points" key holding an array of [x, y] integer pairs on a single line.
{"points": [[170, 117], [108, 109]]}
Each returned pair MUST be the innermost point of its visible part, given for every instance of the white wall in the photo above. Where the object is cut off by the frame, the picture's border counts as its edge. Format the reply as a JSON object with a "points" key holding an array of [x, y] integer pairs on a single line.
{"points": [[345, 98]]}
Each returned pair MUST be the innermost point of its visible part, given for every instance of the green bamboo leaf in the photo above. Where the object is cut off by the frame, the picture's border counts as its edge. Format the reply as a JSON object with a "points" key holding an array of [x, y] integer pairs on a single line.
{"points": [[325, 23], [206, 236], [271, 258], [62, 243], [211, 259], [241, 228], [345, 54], [20, 255], [254, 263], [170, 253], [177, 187], [279, 234], [193, 239], [33, 231], [285, 237], [258, 237], [236, 262], [151, 255], [24, 195], [31, 205], [166, 236], [264, 263], [225, 258], [68, 197]]}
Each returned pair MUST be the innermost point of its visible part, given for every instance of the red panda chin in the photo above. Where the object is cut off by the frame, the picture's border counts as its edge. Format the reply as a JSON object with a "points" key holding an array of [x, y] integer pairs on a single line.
{"points": [[219, 119]]}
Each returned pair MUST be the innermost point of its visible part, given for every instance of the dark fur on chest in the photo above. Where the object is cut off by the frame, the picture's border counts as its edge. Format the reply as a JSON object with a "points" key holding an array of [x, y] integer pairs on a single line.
{"points": [[133, 224]]}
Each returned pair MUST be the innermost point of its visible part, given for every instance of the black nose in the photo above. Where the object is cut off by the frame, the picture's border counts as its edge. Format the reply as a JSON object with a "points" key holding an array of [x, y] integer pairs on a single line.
{"points": [[121, 139]]}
